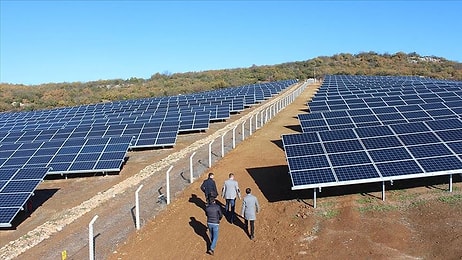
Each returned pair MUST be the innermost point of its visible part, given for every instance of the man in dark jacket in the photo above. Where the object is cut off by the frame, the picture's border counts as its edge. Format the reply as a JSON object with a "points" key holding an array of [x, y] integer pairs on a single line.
{"points": [[214, 215], [209, 187]]}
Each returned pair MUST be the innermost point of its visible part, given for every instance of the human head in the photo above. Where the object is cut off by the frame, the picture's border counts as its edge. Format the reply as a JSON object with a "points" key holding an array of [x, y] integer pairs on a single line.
{"points": [[248, 190], [231, 175], [211, 175]]}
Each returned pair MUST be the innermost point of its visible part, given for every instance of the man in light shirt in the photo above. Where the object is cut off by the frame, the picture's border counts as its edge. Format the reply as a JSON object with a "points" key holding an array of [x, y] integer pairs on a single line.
{"points": [[229, 192]]}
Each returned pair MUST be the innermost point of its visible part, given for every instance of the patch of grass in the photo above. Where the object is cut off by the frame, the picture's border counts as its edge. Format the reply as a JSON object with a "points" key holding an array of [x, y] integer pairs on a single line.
{"points": [[365, 200], [327, 210], [378, 208], [327, 204], [451, 199], [416, 203], [329, 213], [407, 197]]}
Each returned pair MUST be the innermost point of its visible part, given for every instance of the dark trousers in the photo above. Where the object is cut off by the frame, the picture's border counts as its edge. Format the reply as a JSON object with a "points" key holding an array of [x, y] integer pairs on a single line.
{"points": [[252, 227], [230, 208]]}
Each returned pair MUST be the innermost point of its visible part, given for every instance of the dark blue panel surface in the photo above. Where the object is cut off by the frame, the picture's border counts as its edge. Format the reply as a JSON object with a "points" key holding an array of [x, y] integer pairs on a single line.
{"points": [[430, 150], [456, 147], [6, 174], [308, 162], [392, 154], [396, 168], [7, 214], [381, 142], [82, 166], [419, 138], [13, 199], [312, 177], [353, 158], [304, 138], [450, 135], [303, 149], [30, 173], [342, 134], [21, 186], [373, 131], [343, 146], [356, 172], [410, 128], [441, 164]]}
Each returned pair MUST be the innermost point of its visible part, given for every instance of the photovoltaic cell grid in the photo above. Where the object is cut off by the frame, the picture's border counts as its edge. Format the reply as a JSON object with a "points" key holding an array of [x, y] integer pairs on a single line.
{"points": [[96, 138], [142, 123], [16, 186], [78, 155], [369, 129], [341, 119], [236, 98], [376, 153], [129, 118]]}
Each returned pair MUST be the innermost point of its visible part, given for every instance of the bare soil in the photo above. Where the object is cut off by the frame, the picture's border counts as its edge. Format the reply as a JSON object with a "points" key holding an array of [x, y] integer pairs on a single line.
{"points": [[419, 219]]}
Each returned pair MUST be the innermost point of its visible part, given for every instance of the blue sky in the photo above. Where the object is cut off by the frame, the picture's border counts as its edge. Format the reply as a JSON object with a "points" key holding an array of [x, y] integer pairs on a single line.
{"points": [[68, 41]]}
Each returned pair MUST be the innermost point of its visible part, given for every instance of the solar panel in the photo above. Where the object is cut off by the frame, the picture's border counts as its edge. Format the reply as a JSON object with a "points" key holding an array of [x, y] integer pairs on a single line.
{"points": [[16, 186], [367, 129]]}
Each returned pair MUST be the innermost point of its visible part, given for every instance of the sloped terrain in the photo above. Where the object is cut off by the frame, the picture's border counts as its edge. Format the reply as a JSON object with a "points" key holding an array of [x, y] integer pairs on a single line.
{"points": [[419, 219]]}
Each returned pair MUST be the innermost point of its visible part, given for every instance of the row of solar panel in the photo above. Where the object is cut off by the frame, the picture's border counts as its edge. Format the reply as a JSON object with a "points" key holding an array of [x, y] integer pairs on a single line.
{"points": [[378, 116], [210, 97], [216, 112], [132, 109], [360, 132], [374, 152], [63, 141], [16, 186], [67, 156], [425, 91]]}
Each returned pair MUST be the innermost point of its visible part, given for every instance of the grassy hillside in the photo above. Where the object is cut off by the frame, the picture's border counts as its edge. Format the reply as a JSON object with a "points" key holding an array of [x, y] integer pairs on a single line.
{"points": [[45, 96]]}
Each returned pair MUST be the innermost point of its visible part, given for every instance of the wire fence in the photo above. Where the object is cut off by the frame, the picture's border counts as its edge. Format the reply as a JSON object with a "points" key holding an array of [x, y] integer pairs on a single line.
{"points": [[154, 193]]}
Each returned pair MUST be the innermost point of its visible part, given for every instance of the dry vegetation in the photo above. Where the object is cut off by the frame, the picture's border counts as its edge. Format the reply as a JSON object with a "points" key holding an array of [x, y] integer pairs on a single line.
{"points": [[52, 95]]}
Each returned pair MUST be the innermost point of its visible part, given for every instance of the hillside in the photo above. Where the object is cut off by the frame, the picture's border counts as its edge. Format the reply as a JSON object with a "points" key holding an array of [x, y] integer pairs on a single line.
{"points": [[53, 95]]}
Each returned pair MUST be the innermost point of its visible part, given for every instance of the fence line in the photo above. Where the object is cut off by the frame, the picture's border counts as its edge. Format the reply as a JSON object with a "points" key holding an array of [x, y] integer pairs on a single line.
{"points": [[261, 114]]}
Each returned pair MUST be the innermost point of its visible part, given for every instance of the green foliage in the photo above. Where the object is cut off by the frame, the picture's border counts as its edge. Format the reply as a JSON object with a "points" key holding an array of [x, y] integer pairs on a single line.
{"points": [[371, 204], [453, 199], [377, 208], [16, 97]]}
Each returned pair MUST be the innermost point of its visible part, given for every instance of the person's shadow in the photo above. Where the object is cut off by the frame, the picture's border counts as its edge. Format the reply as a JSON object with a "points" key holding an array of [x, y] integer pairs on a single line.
{"points": [[198, 201], [201, 230], [239, 221]]}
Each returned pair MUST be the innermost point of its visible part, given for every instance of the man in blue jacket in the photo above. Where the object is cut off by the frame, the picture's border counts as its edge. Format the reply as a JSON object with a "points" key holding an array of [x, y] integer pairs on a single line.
{"points": [[214, 215], [209, 187]]}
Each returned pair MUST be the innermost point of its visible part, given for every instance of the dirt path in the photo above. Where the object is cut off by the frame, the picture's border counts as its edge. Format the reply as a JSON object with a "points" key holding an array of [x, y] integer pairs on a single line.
{"points": [[349, 223]]}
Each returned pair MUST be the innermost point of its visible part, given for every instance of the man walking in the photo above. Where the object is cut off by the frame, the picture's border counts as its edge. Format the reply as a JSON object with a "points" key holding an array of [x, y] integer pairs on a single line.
{"points": [[214, 215], [209, 188], [229, 192], [250, 208]]}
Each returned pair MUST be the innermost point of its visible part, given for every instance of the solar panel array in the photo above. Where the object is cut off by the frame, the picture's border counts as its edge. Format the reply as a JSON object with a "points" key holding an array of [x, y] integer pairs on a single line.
{"points": [[96, 138], [369, 129], [16, 186]]}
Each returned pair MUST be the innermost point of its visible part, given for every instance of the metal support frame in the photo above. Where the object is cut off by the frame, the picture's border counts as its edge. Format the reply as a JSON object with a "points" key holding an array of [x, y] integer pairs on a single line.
{"points": [[91, 239], [137, 207], [191, 175], [223, 145], [210, 153], [168, 183], [234, 137]]}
